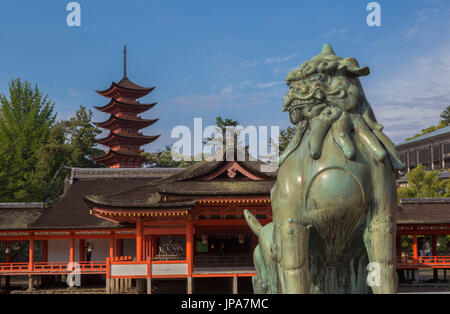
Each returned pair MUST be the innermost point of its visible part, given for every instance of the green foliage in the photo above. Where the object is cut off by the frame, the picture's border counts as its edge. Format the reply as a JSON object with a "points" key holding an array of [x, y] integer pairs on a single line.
{"points": [[33, 146], [445, 116], [285, 137], [423, 183], [222, 124], [428, 130], [445, 121], [79, 139], [163, 159], [25, 123]]}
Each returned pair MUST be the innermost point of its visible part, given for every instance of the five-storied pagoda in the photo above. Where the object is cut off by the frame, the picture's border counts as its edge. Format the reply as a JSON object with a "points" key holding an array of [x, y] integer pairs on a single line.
{"points": [[124, 138]]}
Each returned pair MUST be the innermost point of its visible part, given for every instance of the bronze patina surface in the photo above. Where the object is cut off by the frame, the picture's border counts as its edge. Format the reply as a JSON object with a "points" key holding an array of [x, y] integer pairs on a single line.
{"points": [[334, 202]]}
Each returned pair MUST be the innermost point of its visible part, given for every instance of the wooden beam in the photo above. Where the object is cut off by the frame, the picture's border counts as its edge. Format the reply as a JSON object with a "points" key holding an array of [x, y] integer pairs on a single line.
{"points": [[227, 222]]}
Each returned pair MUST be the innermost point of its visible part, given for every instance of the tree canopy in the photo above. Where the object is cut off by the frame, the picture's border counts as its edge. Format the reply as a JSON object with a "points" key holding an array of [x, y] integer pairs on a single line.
{"points": [[423, 183], [33, 145]]}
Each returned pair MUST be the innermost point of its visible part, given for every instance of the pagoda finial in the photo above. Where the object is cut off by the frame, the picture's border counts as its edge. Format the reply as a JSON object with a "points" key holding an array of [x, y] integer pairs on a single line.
{"points": [[125, 61]]}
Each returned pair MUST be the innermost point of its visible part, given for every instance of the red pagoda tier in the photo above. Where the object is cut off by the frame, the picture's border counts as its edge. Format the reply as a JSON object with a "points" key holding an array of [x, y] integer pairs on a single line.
{"points": [[124, 139]]}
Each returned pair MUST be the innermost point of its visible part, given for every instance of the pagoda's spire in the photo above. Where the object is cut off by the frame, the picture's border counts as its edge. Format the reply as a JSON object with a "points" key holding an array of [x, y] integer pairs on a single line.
{"points": [[125, 61]]}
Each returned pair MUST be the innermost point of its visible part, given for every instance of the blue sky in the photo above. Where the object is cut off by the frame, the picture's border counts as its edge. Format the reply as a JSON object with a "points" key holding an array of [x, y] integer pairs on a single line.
{"points": [[229, 57]]}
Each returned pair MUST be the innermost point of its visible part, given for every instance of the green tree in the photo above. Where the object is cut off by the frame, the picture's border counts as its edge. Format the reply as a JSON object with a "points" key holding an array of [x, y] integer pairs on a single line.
{"points": [[79, 139], [423, 183], [27, 117], [285, 137], [163, 159], [33, 146], [71, 144], [445, 116]]}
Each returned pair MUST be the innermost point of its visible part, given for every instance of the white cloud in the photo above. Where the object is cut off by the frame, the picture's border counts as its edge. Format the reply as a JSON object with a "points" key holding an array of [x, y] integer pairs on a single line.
{"points": [[244, 84], [412, 97], [265, 85], [247, 64], [335, 31], [226, 90], [279, 59]]}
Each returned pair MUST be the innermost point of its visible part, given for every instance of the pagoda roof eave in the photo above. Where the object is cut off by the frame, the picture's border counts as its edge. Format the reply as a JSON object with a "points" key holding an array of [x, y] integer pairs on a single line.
{"points": [[143, 139], [127, 86], [143, 122], [120, 153], [137, 107]]}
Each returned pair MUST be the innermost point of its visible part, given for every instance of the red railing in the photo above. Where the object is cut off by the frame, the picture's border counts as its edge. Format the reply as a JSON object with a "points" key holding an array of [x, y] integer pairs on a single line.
{"points": [[14, 267], [424, 261], [53, 268]]}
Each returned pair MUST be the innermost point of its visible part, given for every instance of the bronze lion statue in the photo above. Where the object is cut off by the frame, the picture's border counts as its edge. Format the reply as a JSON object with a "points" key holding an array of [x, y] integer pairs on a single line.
{"points": [[334, 202]]}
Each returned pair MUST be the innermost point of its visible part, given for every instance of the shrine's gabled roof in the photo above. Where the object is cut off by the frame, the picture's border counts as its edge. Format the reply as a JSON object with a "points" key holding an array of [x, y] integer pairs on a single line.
{"points": [[208, 178], [72, 212]]}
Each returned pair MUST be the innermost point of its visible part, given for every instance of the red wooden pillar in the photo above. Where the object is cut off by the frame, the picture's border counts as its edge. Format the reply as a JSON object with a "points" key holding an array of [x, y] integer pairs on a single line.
{"points": [[119, 251], [45, 251], [190, 246], [31, 252], [81, 251], [139, 232], [415, 247], [111, 248], [72, 249]]}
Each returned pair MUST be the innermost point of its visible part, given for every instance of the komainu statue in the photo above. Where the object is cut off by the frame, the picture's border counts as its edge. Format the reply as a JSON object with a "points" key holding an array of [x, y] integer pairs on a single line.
{"points": [[334, 202]]}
